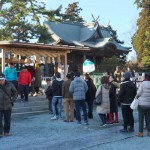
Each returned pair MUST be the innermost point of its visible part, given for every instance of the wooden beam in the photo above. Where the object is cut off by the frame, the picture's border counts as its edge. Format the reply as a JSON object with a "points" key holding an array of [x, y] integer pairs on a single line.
{"points": [[3, 60]]}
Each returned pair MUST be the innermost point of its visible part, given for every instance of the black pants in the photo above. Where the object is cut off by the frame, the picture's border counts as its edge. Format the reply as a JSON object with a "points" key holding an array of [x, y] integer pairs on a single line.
{"points": [[127, 114], [24, 91], [5, 126], [144, 112]]}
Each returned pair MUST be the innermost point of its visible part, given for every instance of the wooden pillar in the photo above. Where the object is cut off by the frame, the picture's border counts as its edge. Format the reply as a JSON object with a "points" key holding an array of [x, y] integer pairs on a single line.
{"points": [[84, 57], [3, 60], [65, 65]]}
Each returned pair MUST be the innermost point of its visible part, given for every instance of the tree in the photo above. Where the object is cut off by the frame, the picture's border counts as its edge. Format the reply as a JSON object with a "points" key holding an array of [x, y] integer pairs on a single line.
{"points": [[146, 52], [72, 13], [143, 23], [20, 19]]}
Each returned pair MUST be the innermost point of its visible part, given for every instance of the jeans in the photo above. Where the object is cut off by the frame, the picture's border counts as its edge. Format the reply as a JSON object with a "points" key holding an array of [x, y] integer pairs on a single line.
{"points": [[144, 112], [54, 101], [78, 105], [24, 90], [5, 127]]}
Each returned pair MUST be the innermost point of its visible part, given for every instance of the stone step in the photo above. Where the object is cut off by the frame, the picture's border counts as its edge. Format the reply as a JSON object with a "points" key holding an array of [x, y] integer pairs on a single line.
{"points": [[31, 103], [29, 113], [35, 105]]}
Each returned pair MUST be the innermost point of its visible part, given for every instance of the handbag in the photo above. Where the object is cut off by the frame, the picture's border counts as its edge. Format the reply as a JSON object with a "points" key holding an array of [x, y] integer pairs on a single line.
{"points": [[134, 104], [98, 99]]}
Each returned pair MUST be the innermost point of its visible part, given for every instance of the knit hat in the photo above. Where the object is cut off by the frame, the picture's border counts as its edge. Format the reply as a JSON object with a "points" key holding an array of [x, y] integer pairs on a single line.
{"points": [[127, 75]]}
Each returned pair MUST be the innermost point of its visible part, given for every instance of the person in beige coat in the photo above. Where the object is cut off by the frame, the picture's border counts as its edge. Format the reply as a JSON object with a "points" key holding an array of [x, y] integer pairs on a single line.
{"points": [[104, 108]]}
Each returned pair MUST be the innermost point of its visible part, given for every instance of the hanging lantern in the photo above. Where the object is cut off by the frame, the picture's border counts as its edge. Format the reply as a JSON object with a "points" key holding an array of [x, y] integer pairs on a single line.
{"points": [[88, 66]]}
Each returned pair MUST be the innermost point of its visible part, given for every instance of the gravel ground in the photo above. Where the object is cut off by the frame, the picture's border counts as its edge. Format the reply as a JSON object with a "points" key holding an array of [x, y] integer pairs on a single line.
{"points": [[38, 132]]}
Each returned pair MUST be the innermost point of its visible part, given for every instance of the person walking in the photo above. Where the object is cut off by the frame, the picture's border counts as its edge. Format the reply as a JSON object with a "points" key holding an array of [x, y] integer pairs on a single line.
{"points": [[24, 81], [38, 79], [57, 97], [11, 74], [79, 88], [113, 100], [68, 100], [126, 96], [104, 108], [8, 94], [143, 96], [90, 94]]}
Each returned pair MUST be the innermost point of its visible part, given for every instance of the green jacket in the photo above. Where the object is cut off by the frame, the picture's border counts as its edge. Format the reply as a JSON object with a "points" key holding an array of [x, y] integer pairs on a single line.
{"points": [[7, 100]]}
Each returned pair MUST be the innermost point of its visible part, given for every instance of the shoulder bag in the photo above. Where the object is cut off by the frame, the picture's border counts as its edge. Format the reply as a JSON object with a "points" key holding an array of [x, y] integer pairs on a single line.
{"points": [[98, 99]]}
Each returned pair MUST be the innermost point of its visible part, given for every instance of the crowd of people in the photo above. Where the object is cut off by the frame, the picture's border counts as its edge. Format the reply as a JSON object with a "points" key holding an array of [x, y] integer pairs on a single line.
{"points": [[77, 96]]}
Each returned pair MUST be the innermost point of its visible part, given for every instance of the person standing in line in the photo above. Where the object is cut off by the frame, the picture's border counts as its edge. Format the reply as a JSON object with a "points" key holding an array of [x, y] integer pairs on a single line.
{"points": [[24, 81], [104, 108], [49, 93], [11, 74], [79, 88], [143, 96], [68, 99], [113, 100], [126, 95], [57, 97], [38, 79], [117, 74], [90, 94], [8, 94]]}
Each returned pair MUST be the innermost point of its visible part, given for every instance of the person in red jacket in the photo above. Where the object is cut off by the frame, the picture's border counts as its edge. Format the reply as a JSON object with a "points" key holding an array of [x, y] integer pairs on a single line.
{"points": [[24, 81]]}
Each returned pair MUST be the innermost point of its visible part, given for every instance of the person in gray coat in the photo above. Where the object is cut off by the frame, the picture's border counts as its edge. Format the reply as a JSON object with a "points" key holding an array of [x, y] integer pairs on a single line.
{"points": [[143, 95], [79, 88], [8, 94]]}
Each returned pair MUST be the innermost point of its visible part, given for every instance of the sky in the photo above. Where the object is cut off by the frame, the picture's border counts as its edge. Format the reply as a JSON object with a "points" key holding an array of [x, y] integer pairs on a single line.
{"points": [[120, 14]]}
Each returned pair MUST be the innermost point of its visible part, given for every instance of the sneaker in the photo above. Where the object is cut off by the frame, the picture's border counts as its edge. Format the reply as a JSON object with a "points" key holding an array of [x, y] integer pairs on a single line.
{"points": [[35, 95], [54, 118], [124, 130], [85, 123], [139, 134], [103, 125], [79, 122]]}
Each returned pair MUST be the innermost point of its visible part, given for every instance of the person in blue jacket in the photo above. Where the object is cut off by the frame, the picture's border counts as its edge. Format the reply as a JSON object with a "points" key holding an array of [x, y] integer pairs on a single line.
{"points": [[79, 88], [10, 74]]}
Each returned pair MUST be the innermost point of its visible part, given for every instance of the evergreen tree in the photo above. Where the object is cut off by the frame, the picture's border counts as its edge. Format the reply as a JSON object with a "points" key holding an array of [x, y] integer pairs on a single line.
{"points": [[20, 19], [72, 13], [140, 37]]}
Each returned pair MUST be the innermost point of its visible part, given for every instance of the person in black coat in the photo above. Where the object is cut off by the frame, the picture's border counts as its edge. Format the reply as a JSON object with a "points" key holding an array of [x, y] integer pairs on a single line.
{"points": [[90, 94], [113, 100], [126, 95]]}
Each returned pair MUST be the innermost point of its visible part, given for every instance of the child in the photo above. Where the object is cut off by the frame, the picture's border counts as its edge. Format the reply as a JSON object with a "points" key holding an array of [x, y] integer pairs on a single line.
{"points": [[49, 93]]}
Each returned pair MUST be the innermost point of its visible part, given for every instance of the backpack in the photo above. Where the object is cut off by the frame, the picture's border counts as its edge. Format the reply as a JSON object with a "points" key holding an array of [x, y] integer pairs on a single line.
{"points": [[49, 91]]}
